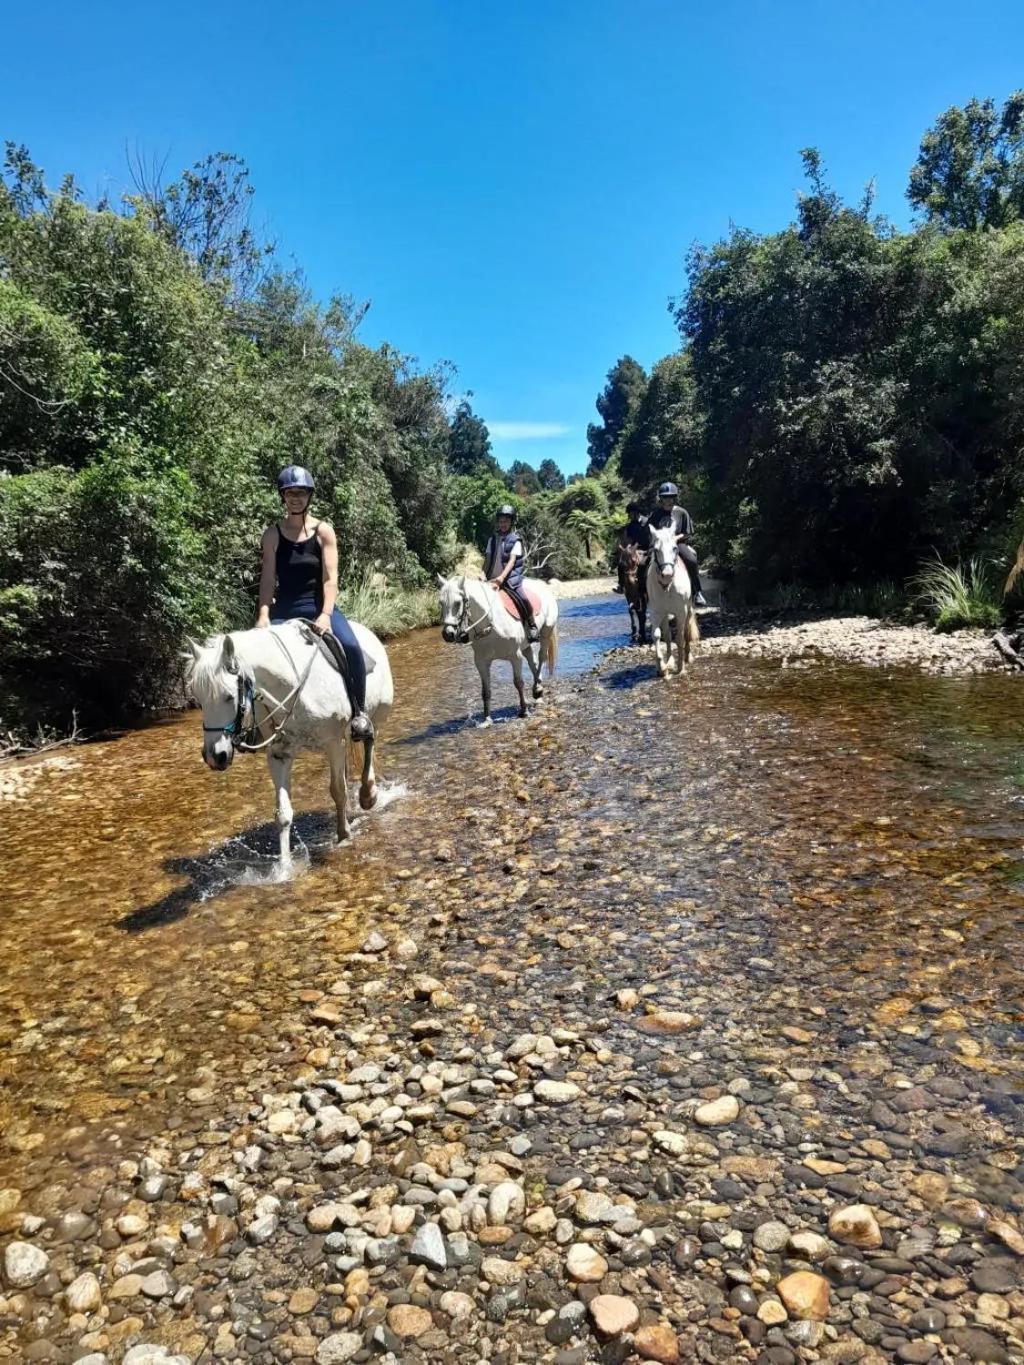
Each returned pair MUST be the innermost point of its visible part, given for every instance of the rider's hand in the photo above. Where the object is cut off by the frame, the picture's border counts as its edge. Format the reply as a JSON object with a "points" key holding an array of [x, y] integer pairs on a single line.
{"points": [[494, 582], [322, 623]]}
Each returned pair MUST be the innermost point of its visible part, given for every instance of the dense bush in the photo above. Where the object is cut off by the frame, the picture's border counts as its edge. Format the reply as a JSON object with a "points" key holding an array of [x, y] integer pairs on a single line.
{"points": [[151, 384]]}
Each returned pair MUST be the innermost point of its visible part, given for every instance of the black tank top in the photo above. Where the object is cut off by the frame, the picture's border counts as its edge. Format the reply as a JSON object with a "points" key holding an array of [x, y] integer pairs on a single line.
{"points": [[300, 574]]}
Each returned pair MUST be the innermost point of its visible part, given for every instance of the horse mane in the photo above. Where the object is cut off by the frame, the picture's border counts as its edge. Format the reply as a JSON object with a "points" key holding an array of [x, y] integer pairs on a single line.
{"points": [[204, 669]]}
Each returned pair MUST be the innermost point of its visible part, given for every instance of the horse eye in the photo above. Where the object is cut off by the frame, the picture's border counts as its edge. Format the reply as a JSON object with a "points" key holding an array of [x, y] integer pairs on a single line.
{"points": [[229, 698]]}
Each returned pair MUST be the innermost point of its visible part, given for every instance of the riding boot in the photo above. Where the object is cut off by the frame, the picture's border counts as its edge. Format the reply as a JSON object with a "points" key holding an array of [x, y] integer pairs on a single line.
{"points": [[532, 633]]}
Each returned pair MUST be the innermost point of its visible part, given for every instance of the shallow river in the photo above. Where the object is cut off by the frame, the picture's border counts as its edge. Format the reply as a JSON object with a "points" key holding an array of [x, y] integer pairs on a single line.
{"points": [[143, 936]]}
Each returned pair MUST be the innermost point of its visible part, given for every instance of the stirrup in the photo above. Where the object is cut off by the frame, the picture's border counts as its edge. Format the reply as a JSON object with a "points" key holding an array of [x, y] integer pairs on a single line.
{"points": [[361, 726]]}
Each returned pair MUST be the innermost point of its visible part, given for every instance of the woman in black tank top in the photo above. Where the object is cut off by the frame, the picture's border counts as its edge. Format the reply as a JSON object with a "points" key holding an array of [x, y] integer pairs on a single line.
{"points": [[299, 580]]}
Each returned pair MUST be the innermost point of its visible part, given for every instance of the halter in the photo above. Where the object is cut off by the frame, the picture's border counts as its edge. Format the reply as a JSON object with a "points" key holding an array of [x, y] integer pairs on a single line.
{"points": [[236, 729]]}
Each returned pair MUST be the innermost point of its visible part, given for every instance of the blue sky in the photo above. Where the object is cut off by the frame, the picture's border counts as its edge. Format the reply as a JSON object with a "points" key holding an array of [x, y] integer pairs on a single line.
{"points": [[514, 186]]}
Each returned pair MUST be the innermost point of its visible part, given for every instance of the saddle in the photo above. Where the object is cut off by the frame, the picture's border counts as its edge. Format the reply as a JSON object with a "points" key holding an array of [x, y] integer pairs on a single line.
{"points": [[332, 650], [508, 602]]}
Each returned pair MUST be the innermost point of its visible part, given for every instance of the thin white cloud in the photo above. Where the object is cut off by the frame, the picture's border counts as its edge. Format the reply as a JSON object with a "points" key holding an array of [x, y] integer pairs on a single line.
{"points": [[526, 431]]}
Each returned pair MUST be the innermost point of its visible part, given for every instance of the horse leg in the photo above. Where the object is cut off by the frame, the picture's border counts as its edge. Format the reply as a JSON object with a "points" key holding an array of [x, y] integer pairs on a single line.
{"points": [[534, 657], [633, 619], [368, 780], [517, 678], [281, 776], [641, 611], [483, 667], [337, 757]]}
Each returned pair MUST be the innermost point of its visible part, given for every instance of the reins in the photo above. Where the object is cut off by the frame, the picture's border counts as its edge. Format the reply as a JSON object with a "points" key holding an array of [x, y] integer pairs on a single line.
{"points": [[245, 737]]}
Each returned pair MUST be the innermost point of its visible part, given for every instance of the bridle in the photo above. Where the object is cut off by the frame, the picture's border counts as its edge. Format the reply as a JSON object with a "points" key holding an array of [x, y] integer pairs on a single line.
{"points": [[466, 630], [664, 562], [247, 737]]}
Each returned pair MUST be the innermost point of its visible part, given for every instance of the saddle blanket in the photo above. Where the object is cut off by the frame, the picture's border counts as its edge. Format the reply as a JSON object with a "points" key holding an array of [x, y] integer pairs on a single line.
{"points": [[511, 607]]}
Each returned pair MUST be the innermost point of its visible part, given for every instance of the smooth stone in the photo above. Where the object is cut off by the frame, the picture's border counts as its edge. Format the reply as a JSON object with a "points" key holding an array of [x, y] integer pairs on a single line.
{"points": [[855, 1224], [657, 1341], [338, 1347], [805, 1295], [718, 1112], [585, 1264], [771, 1236], [24, 1264], [83, 1294], [406, 1320], [613, 1314]]}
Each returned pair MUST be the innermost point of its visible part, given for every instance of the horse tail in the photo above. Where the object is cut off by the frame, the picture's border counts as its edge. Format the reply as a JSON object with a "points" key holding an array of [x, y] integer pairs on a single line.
{"points": [[552, 650], [692, 628]]}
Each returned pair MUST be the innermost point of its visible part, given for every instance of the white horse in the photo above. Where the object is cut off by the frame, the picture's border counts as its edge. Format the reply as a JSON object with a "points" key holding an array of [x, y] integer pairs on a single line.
{"points": [[670, 601], [274, 690], [472, 614]]}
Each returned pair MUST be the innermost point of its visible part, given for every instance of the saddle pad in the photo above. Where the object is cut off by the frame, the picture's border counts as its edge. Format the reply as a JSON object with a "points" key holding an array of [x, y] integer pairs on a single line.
{"points": [[511, 607]]}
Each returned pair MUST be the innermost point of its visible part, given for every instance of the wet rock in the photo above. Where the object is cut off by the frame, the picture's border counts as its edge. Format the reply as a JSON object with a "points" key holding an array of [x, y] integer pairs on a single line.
{"points": [[428, 1247], [718, 1112], [556, 1092], [338, 1347], [978, 1345], [613, 1314], [24, 1264], [83, 1293], [855, 1224], [657, 1341], [805, 1295], [771, 1236], [994, 1276], [585, 1264], [408, 1321]]}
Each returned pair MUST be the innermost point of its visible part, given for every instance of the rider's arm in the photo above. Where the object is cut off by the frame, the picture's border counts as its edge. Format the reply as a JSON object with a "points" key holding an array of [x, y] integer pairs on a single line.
{"points": [[685, 527], [268, 575], [329, 545]]}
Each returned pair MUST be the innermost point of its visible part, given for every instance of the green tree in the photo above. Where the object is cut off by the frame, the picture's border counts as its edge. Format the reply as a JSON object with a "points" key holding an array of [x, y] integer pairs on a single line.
{"points": [[591, 525], [469, 443], [616, 404], [522, 478], [970, 167], [550, 477], [664, 439]]}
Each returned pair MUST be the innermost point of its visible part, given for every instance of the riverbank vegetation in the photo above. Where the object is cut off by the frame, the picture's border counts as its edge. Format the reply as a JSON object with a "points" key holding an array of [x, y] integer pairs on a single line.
{"points": [[848, 399], [156, 369]]}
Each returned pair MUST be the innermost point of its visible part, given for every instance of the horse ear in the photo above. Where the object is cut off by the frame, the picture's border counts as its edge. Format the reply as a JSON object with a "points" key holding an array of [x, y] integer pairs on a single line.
{"points": [[194, 648], [441, 580], [228, 656]]}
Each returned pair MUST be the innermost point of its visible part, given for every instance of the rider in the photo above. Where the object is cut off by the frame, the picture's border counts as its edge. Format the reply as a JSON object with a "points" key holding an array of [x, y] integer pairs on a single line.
{"points": [[668, 513], [637, 533], [504, 565], [299, 580]]}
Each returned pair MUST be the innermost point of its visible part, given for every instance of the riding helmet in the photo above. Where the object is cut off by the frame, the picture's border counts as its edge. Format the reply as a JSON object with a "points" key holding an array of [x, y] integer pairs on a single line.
{"points": [[294, 476], [507, 510], [668, 490]]}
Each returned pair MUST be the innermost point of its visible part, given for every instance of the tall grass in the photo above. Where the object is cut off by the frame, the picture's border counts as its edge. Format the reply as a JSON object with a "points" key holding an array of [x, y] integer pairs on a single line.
{"points": [[957, 595], [388, 610]]}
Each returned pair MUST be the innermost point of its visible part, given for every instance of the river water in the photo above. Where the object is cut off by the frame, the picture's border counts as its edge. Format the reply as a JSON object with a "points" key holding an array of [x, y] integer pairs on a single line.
{"points": [[867, 827]]}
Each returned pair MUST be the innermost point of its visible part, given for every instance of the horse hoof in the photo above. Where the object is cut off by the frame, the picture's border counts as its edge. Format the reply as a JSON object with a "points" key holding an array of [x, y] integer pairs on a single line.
{"points": [[538, 692], [484, 724], [368, 796]]}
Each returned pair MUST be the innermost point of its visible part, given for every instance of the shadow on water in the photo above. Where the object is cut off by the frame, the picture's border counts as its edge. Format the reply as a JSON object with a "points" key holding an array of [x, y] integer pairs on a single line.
{"points": [[246, 859], [624, 679], [439, 729]]}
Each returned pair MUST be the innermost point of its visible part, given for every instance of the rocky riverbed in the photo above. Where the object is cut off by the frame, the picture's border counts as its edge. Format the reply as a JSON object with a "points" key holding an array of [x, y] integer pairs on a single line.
{"points": [[801, 642], [695, 1037]]}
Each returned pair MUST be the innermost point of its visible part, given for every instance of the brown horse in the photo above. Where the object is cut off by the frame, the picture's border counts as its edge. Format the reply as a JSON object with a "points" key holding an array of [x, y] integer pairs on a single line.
{"points": [[633, 563]]}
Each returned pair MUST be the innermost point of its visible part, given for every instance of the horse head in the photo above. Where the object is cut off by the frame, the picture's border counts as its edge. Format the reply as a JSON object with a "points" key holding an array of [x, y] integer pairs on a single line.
{"points": [[223, 686], [455, 600], [665, 553]]}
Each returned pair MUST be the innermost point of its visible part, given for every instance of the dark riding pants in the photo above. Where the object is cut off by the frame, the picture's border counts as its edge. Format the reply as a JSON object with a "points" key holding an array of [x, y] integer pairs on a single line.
{"points": [[522, 605], [345, 635], [689, 558]]}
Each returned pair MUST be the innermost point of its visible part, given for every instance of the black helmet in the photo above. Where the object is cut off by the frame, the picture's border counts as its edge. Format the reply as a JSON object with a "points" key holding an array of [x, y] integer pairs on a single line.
{"points": [[668, 490], [507, 510], [633, 506], [294, 476]]}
